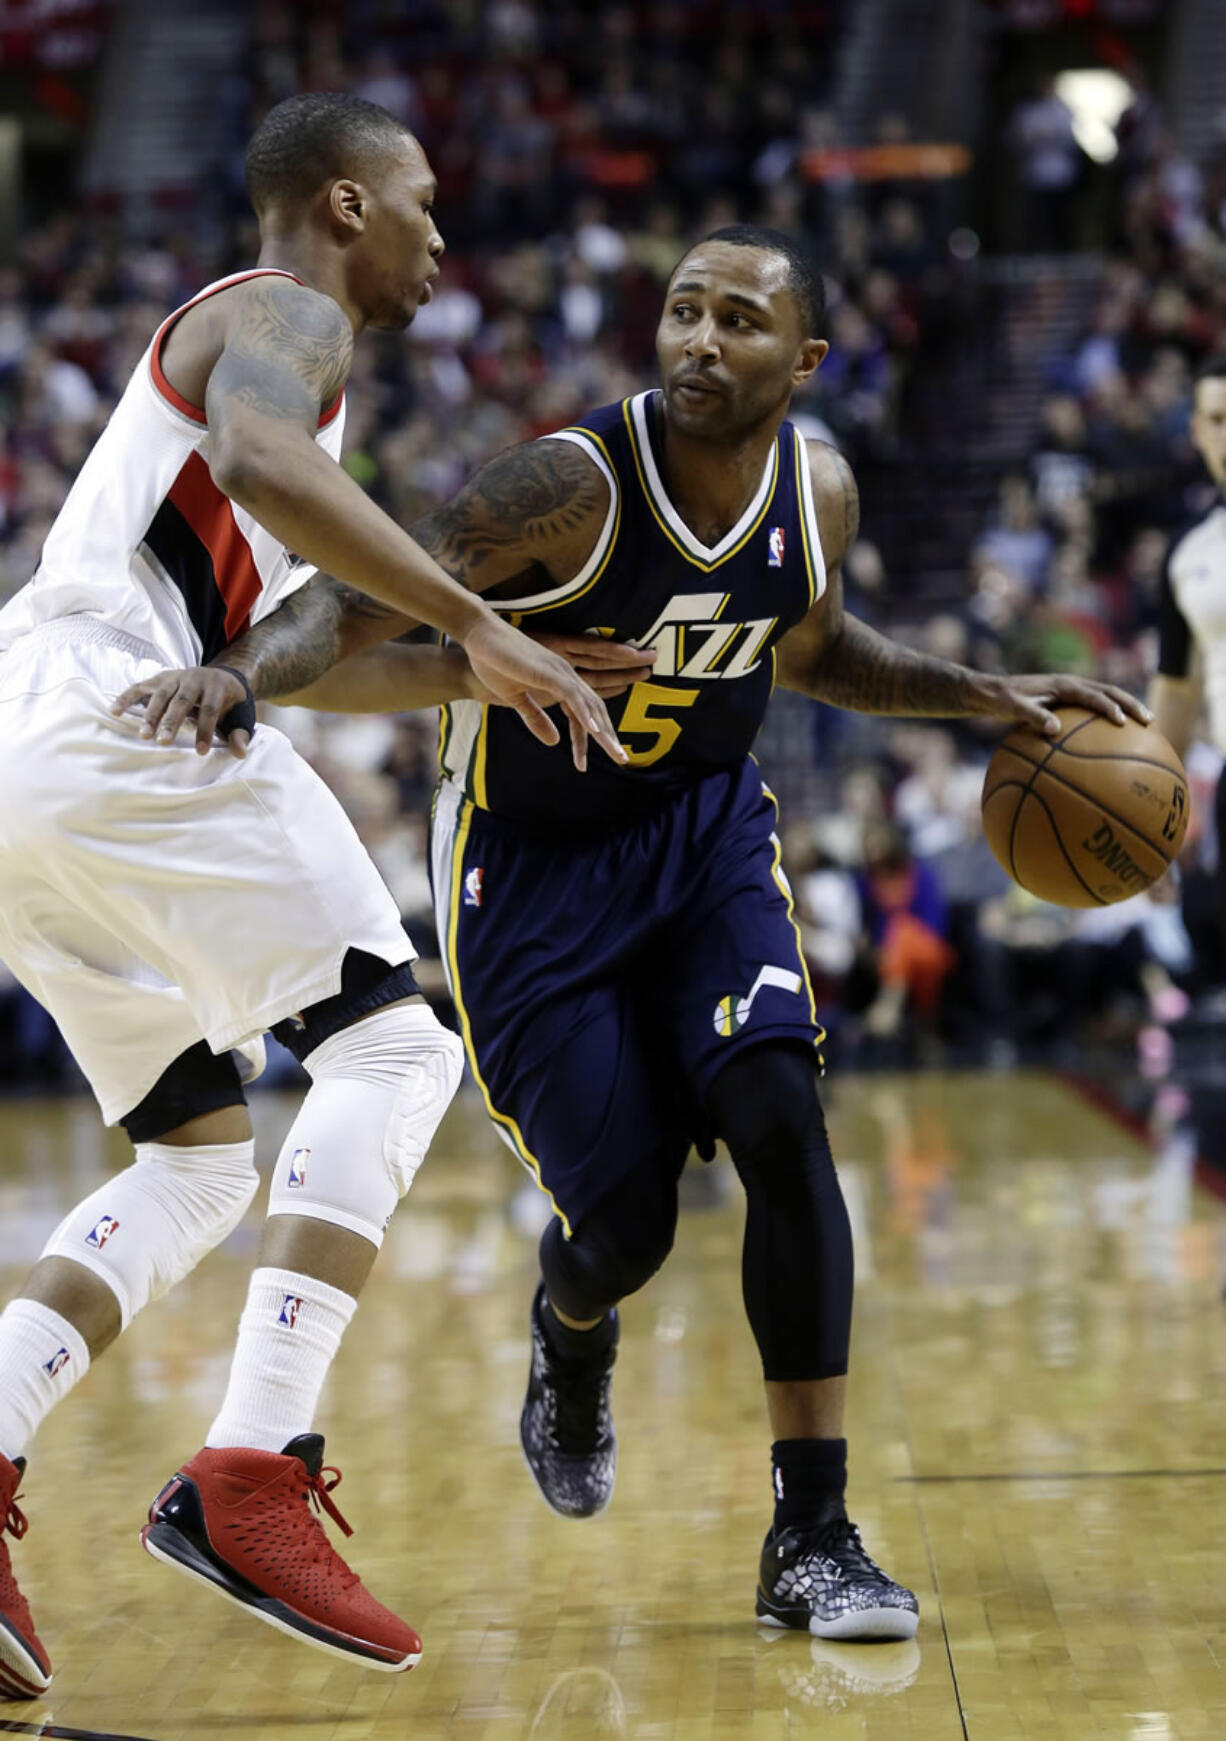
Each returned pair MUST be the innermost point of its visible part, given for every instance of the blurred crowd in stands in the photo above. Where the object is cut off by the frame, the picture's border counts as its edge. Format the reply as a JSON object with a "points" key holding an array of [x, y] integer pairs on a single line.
{"points": [[578, 155]]}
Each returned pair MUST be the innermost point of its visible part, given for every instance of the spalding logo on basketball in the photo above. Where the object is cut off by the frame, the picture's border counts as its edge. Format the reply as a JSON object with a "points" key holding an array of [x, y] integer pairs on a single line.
{"points": [[1087, 818]]}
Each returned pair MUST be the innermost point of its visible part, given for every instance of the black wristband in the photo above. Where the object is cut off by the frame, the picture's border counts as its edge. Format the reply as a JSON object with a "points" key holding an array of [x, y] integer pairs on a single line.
{"points": [[240, 717]]}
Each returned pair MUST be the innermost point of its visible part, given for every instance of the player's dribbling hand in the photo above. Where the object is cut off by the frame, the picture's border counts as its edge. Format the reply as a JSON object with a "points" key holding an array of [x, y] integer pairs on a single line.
{"points": [[1032, 700], [203, 693], [523, 674]]}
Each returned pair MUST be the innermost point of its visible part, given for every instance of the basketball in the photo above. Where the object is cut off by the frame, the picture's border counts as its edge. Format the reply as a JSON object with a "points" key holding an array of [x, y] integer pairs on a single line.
{"points": [[1090, 817]]}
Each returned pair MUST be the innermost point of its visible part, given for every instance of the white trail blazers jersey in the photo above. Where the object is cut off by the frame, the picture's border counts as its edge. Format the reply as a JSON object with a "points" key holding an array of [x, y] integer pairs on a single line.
{"points": [[147, 543]]}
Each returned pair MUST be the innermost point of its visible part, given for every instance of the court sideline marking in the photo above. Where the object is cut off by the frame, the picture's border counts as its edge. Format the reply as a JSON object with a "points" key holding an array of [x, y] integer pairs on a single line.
{"points": [[56, 1732]]}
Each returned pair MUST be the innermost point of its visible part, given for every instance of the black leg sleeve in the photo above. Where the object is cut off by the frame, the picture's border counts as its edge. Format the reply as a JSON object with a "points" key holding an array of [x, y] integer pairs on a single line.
{"points": [[619, 1244], [797, 1267]]}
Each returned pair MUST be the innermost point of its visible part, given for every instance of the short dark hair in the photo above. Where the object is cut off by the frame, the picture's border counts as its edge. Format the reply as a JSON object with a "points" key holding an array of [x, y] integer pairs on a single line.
{"points": [[804, 280], [1212, 369], [307, 141]]}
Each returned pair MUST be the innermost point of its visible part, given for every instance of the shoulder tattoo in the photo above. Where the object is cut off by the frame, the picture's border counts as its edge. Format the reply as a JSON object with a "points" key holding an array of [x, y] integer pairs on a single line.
{"points": [[520, 504], [288, 352]]}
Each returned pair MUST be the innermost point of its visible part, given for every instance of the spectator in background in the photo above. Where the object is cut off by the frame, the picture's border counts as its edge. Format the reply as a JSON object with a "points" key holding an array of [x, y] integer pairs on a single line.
{"points": [[1018, 541], [906, 923], [1049, 165]]}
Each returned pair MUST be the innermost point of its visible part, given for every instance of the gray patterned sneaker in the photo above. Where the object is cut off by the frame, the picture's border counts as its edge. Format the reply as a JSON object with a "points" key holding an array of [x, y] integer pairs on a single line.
{"points": [[566, 1428], [821, 1581]]}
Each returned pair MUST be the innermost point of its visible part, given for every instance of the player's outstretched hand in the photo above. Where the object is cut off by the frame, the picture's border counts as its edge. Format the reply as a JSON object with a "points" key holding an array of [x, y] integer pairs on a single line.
{"points": [[215, 698], [527, 676], [608, 667], [1031, 700]]}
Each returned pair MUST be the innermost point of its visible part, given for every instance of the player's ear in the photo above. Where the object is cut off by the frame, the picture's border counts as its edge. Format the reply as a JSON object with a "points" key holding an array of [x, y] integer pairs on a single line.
{"points": [[809, 360], [347, 205]]}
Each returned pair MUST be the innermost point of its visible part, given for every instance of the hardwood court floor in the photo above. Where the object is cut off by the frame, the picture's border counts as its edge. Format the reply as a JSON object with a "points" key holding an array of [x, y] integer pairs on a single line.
{"points": [[1038, 1447]]}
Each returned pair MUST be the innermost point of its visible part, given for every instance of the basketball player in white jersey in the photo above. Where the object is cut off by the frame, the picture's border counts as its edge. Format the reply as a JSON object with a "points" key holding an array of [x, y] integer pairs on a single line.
{"points": [[167, 907], [1193, 603]]}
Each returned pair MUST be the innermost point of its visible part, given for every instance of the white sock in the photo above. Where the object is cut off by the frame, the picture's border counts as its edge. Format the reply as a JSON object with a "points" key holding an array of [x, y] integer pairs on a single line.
{"points": [[287, 1339], [41, 1357]]}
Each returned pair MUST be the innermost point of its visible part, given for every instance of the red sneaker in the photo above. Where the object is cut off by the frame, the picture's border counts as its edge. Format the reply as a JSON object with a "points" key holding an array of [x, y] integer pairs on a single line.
{"points": [[25, 1667], [241, 1520]]}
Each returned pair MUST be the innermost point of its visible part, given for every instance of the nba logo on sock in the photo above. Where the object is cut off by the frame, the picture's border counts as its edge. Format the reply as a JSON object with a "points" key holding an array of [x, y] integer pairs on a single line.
{"points": [[472, 886], [57, 1362], [291, 1305], [297, 1168], [776, 540], [101, 1232]]}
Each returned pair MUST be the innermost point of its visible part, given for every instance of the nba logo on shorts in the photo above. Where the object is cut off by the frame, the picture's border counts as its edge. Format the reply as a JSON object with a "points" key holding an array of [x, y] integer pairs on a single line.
{"points": [[57, 1362], [101, 1232], [777, 538], [472, 886], [291, 1305], [297, 1169]]}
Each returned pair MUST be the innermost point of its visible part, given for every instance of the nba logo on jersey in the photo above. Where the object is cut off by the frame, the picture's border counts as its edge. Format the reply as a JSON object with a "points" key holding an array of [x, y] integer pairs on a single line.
{"points": [[472, 886], [57, 1362], [777, 538], [101, 1232], [297, 1169], [291, 1305]]}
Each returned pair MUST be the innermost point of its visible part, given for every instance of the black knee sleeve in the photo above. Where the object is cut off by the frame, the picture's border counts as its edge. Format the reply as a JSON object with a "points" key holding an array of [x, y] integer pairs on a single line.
{"points": [[367, 984], [198, 1081], [797, 1268], [616, 1248]]}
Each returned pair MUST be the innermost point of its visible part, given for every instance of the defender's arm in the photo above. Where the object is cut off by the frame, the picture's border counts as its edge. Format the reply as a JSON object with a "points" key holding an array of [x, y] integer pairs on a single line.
{"points": [[535, 511]]}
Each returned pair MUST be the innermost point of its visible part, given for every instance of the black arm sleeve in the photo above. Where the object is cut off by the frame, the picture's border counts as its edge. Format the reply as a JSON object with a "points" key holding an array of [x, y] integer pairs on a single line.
{"points": [[1174, 635]]}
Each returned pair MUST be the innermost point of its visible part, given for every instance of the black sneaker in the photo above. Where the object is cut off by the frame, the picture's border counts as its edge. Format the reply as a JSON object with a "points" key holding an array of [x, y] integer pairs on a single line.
{"points": [[566, 1428], [820, 1580]]}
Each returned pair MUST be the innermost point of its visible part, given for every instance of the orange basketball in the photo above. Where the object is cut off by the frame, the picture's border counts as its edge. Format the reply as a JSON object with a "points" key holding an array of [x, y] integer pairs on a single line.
{"points": [[1089, 817]]}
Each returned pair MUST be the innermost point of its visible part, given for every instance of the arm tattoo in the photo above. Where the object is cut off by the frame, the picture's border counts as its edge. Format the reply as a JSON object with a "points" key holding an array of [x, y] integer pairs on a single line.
{"points": [[864, 671], [302, 638], [517, 508], [837, 501], [287, 354]]}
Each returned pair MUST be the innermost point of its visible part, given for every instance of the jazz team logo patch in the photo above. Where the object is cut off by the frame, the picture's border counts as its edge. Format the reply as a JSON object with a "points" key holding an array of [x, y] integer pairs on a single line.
{"points": [[473, 880], [777, 541], [291, 1305], [298, 1169], [101, 1232], [732, 1012]]}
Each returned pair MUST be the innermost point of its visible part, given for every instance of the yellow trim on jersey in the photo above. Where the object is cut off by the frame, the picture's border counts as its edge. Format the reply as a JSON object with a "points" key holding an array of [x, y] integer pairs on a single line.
{"points": [[697, 561], [444, 732], [556, 604], [501, 1119], [782, 884], [803, 517]]}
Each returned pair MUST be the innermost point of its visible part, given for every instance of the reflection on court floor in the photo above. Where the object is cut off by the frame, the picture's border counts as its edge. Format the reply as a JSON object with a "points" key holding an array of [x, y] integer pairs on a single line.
{"points": [[1038, 1448]]}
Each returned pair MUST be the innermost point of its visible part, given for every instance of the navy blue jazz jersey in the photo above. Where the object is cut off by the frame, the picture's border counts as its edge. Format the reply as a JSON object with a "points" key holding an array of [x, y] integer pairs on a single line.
{"points": [[612, 937], [713, 616]]}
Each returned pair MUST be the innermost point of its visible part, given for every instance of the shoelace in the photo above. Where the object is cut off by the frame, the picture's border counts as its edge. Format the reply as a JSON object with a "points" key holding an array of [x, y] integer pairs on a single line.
{"points": [[840, 1541], [317, 1491], [580, 1400], [16, 1524], [15, 1520]]}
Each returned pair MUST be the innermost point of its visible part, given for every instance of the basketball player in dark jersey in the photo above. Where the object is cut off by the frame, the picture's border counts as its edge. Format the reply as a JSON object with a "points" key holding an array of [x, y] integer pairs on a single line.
{"points": [[620, 944]]}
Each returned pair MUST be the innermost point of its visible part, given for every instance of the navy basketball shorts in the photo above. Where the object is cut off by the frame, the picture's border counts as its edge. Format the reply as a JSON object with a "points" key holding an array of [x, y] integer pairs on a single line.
{"points": [[603, 980]]}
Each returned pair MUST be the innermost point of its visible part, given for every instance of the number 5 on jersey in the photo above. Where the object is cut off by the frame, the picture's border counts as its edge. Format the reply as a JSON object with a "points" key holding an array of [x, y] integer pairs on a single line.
{"points": [[645, 715]]}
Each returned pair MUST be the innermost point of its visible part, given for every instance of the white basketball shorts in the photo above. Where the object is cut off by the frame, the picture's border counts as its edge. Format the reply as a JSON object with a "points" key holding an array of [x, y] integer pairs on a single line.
{"points": [[149, 896]]}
